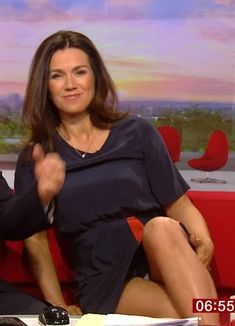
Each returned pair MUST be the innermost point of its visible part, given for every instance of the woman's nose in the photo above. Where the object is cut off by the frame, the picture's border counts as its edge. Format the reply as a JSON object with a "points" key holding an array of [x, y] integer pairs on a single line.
{"points": [[70, 82]]}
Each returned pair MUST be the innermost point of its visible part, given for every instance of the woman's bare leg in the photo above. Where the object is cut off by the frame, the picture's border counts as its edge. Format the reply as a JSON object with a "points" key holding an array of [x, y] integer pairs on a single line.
{"points": [[183, 275], [145, 298]]}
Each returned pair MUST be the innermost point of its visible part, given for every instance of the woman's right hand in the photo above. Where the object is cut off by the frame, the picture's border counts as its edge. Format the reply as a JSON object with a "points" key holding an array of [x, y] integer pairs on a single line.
{"points": [[49, 173]]}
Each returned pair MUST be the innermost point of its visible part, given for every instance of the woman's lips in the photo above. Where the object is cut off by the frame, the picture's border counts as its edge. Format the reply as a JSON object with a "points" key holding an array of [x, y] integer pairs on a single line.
{"points": [[72, 97]]}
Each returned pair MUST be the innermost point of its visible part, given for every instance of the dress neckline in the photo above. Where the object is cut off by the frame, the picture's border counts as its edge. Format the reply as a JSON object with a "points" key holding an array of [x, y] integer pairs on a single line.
{"points": [[88, 154]]}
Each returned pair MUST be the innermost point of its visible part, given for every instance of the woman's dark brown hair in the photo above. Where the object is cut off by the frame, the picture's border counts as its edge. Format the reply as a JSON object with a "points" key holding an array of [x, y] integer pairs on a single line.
{"points": [[39, 112]]}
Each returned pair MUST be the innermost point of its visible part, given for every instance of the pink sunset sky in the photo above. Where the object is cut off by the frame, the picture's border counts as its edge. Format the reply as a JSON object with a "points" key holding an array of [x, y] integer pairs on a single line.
{"points": [[152, 49]]}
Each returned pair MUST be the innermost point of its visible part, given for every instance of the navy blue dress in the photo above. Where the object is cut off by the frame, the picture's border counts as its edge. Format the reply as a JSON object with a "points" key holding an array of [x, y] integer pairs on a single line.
{"points": [[131, 175]]}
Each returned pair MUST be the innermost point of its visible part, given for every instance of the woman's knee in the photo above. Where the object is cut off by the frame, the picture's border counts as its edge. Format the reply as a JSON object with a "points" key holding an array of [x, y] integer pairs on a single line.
{"points": [[160, 229]]}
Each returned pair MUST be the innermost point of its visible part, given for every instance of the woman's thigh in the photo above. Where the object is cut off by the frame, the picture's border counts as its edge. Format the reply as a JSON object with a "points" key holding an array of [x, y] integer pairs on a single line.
{"points": [[161, 237], [146, 298]]}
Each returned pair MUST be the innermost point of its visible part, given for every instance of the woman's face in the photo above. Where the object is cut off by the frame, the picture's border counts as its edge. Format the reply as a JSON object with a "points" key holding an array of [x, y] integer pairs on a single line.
{"points": [[71, 82]]}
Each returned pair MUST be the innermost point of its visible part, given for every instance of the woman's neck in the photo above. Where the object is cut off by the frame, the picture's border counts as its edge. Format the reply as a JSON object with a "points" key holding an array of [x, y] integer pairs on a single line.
{"points": [[81, 127], [82, 134]]}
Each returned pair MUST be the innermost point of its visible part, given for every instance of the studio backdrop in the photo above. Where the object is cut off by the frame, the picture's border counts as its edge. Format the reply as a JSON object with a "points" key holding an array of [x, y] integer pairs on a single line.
{"points": [[173, 61]]}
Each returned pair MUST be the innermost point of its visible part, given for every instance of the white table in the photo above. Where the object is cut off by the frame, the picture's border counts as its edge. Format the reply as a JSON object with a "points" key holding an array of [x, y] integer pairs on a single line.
{"points": [[114, 320], [32, 320]]}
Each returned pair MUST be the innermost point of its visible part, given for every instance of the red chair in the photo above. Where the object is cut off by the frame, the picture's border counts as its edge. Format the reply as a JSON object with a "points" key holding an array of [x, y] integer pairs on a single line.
{"points": [[214, 157], [172, 139]]}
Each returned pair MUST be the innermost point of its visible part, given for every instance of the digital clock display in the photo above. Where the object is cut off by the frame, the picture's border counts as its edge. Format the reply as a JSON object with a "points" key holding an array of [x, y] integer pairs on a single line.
{"points": [[213, 305]]}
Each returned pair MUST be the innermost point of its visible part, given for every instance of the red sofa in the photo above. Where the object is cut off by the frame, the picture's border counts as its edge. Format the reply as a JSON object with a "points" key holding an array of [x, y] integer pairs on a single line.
{"points": [[218, 209], [15, 268]]}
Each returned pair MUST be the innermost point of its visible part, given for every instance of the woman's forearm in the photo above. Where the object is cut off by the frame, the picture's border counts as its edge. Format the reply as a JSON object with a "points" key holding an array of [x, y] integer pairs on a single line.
{"points": [[42, 265], [185, 212]]}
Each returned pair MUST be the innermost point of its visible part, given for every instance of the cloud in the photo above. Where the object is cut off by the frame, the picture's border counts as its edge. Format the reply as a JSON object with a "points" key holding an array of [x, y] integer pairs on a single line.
{"points": [[48, 10], [32, 13], [224, 2], [12, 87], [36, 3], [129, 3], [179, 87], [226, 35], [131, 9]]}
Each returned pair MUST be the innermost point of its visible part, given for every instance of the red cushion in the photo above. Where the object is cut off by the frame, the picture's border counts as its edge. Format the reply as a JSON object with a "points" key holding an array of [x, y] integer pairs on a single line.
{"points": [[14, 266]]}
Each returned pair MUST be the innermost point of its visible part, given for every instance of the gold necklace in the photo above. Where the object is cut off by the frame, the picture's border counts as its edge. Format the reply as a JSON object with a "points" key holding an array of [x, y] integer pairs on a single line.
{"points": [[82, 155]]}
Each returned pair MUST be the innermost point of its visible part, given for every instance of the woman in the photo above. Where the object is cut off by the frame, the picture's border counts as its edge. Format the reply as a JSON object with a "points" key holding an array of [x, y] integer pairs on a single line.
{"points": [[122, 199]]}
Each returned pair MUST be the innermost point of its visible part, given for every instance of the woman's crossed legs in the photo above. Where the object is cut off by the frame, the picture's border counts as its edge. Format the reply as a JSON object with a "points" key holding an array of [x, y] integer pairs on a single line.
{"points": [[176, 276]]}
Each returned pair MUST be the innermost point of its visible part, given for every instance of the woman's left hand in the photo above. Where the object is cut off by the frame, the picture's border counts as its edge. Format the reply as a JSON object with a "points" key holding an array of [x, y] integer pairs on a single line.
{"points": [[73, 310], [203, 247]]}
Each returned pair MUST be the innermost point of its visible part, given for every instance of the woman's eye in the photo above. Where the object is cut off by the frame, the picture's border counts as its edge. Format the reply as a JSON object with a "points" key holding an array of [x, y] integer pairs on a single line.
{"points": [[56, 76], [81, 72]]}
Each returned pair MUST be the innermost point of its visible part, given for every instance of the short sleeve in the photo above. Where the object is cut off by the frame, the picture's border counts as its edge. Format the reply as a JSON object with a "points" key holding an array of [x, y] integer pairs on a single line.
{"points": [[165, 180]]}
